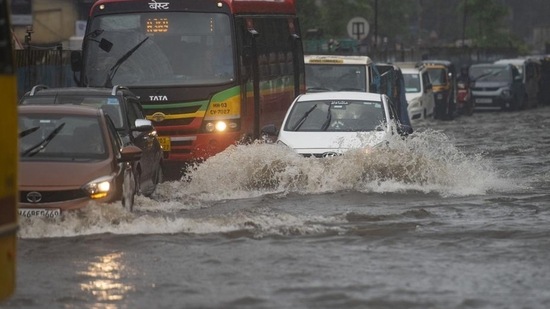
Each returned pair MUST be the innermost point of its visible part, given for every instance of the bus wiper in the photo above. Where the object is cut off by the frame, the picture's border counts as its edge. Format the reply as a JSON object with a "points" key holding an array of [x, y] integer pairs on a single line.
{"points": [[43, 143], [114, 68], [303, 118], [329, 118], [27, 131]]}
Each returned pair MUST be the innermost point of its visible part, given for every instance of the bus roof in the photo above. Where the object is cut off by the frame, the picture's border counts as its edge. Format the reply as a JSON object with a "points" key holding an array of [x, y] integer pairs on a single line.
{"points": [[337, 59], [235, 6]]}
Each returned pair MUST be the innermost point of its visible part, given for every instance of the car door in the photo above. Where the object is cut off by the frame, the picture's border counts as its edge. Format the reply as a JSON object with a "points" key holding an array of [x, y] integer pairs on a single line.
{"points": [[427, 94], [144, 140]]}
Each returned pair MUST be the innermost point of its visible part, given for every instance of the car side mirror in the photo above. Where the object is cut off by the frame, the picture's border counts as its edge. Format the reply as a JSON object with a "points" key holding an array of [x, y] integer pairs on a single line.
{"points": [[143, 125], [130, 153]]}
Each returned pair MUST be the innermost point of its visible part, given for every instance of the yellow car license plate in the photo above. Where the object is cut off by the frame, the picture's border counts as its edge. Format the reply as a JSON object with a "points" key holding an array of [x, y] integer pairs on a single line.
{"points": [[164, 142]]}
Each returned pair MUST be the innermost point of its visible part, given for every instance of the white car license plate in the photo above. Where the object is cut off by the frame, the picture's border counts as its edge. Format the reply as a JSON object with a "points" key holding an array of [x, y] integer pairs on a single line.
{"points": [[484, 100], [39, 212]]}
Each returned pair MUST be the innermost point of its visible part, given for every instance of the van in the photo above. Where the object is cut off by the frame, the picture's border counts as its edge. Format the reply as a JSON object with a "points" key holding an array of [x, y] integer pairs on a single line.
{"points": [[496, 86], [418, 91], [340, 73], [530, 72]]}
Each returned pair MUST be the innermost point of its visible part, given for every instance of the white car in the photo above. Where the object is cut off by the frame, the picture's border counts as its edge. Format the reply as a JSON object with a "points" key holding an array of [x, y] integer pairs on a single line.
{"points": [[330, 123], [418, 91]]}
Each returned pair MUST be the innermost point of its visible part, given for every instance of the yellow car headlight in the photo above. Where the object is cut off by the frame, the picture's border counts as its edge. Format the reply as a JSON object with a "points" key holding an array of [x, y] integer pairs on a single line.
{"points": [[99, 187]]}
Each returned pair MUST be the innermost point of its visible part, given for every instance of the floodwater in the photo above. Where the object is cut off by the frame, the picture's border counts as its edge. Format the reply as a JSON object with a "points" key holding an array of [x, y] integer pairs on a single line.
{"points": [[456, 216]]}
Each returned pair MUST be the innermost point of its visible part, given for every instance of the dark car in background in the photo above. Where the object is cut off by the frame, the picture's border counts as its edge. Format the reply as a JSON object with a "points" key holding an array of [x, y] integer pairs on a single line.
{"points": [[70, 156], [496, 86], [126, 112]]}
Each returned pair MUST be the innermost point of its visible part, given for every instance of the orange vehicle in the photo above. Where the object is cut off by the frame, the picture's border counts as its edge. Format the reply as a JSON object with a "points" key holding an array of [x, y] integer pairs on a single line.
{"points": [[209, 73], [8, 164]]}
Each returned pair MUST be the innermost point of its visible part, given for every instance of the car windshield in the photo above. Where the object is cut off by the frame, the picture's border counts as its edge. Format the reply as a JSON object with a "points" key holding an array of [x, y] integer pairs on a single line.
{"points": [[76, 138], [109, 104], [412, 82], [493, 73], [154, 48], [326, 77], [336, 115]]}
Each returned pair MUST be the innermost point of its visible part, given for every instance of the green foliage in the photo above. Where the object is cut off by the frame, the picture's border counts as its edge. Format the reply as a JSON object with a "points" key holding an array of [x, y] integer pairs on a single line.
{"points": [[485, 23]]}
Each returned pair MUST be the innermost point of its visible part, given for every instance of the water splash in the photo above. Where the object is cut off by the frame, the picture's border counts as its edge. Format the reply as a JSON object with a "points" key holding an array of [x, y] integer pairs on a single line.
{"points": [[426, 161]]}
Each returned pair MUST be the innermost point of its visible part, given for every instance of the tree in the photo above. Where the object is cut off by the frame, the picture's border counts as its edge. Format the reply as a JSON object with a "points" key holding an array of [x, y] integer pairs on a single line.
{"points": [[485, 23]]}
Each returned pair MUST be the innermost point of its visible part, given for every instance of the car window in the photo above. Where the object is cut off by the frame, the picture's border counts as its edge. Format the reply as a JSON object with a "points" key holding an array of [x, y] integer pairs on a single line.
{"points": [[114, 137], [60, 137], [412, 82], [134, 111]]}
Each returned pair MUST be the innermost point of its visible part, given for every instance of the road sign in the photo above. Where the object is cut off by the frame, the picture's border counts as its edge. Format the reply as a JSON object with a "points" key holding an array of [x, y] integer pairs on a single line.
{"points": [[358, 28]]}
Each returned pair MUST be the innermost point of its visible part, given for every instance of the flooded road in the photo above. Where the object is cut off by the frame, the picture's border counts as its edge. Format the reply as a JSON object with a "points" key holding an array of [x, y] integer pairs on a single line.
{"points": [[456, 216]]}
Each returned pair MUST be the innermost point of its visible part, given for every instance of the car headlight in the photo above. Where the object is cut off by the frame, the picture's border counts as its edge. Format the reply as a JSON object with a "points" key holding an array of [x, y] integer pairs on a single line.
{"points": [[100, 187]]}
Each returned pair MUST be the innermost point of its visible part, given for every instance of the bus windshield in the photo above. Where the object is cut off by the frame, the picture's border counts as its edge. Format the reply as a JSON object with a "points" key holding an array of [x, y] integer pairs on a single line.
{"points": [[151, 48], [338, 77]]}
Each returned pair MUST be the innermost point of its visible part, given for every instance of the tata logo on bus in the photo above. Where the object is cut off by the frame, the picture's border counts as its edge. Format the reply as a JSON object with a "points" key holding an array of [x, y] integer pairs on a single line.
{"points": [[153, 5], [158, 98], [158, 117]]}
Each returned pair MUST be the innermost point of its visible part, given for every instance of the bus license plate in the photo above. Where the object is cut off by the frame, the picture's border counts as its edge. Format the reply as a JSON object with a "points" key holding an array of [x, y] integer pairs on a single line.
{"points": [[164, 142], [39, 212]]}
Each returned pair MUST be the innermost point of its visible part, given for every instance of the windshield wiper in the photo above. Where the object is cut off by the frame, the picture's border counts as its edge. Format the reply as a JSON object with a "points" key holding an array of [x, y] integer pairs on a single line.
{"points": [[303, 118], [27, 131], [329, 118], [114, 68], [43, 143]]}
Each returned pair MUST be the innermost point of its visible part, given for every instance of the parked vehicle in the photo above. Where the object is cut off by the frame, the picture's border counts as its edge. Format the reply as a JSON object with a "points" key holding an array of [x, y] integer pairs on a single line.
{"points": [[464, 103], [340, 73], [69, 156], [530, 72], [330, 123], [419, 91], [125, 111], [443, 79], [392, 84], [496, 86]]}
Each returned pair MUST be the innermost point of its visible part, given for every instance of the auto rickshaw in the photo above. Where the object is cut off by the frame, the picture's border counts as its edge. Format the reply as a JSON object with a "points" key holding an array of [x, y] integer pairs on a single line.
{"points": [[443, 78]]}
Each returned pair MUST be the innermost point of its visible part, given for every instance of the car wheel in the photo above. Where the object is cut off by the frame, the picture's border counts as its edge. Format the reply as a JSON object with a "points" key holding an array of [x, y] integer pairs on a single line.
{"points": [[160, 175], [129, 189]]}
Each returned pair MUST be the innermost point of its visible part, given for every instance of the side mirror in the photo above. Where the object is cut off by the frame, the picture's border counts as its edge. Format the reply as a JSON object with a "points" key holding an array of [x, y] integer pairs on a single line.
{"points": [[143, 125], [270, 130], [130, 153]]}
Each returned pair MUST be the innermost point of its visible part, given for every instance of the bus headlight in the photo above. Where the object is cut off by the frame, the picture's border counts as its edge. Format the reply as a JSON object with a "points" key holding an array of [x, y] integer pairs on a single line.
{"points": [[220, 126], [99, 187]]}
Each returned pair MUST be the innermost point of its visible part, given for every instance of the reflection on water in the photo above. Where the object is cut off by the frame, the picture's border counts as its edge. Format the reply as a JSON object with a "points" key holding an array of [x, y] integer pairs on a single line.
{"points": [[105, 279]]}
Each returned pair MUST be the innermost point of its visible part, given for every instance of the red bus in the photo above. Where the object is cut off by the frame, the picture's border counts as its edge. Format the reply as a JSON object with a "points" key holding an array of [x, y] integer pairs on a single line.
{"points": [[210, 73]]}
